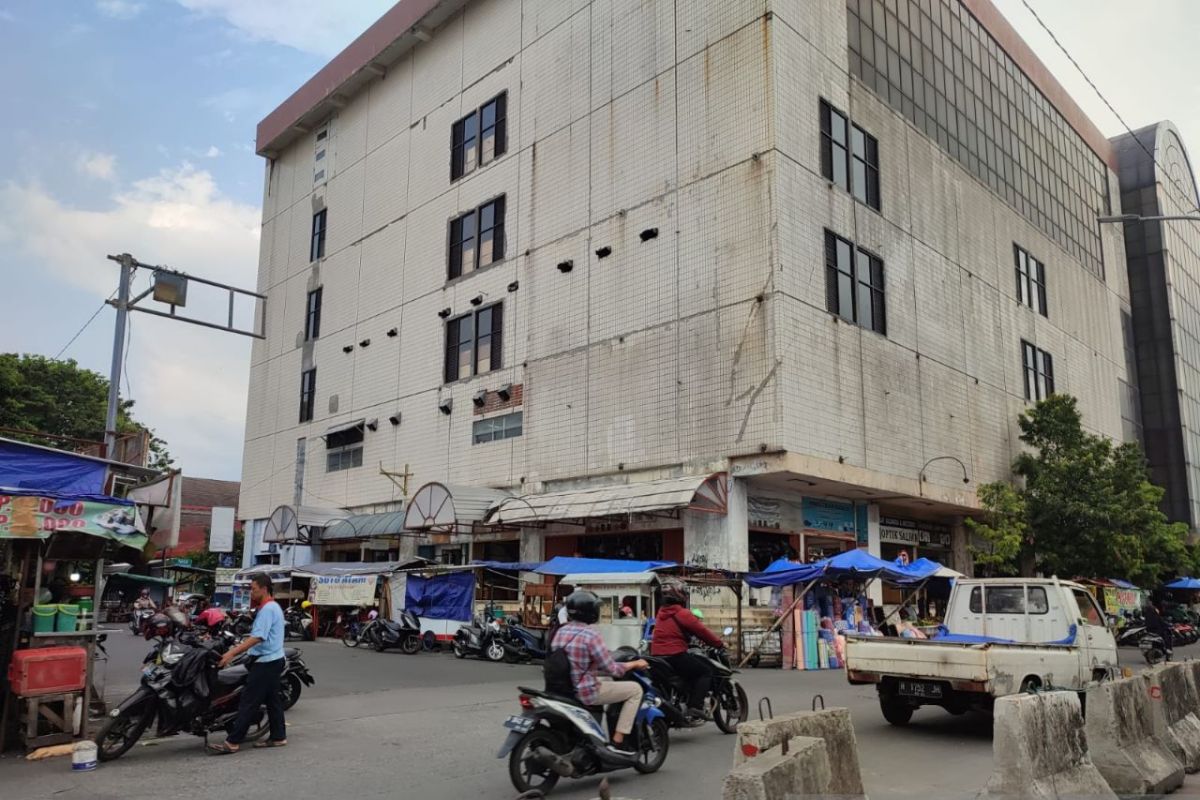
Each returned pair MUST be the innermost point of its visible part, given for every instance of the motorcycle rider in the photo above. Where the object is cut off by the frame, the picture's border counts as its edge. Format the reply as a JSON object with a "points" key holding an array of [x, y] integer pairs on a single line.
{"points": [[674, 625], [1156, 624], [145, 602], [589, 656]]}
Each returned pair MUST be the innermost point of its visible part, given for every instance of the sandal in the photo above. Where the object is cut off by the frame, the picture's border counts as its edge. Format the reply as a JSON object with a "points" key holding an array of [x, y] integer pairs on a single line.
{"points": [[272, 743], [222, 749]]}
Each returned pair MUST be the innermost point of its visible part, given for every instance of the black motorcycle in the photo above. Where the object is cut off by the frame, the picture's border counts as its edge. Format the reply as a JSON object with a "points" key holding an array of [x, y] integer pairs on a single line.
{"points": [[190, 696], [295, 677], [726, 699], [404, 633], [522, 643], [481, 639], [297, 624]]}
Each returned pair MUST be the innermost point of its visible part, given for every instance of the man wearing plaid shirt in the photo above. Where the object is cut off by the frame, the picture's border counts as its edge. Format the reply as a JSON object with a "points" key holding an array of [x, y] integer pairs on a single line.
{"points": [[588, 656]]}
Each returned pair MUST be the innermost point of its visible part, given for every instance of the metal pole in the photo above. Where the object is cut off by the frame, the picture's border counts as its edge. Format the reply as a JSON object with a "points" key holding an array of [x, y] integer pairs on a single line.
{"points": [[114, 374]]}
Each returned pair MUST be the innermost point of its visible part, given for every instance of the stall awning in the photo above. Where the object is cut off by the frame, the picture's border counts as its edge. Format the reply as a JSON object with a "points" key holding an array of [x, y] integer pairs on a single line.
{"points": [[336, 568], [568, 565], [697, 492], [443, 508], [149, 580], [37, 514], [611, 579], [364, 526]]}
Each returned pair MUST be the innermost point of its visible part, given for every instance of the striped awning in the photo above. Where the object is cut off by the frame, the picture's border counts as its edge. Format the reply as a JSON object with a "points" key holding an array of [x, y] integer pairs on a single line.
{"points": [[707, 493]]}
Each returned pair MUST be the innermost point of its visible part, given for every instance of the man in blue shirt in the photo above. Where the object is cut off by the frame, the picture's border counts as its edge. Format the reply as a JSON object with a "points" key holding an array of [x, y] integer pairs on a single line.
{"points": [[265, 644]]}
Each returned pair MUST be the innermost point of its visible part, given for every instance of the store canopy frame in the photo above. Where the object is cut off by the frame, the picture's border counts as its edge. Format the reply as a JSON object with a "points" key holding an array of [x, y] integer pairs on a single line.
{"points": [[440, 508]]}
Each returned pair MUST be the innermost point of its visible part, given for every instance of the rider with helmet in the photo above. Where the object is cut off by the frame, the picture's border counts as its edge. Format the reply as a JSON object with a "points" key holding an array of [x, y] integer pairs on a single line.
{"points": [[674, 626], [145, 602], [589, 656]]}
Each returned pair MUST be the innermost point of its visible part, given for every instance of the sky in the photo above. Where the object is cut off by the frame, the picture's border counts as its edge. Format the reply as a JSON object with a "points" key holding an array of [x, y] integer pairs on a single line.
{"points": [[135, 133]]}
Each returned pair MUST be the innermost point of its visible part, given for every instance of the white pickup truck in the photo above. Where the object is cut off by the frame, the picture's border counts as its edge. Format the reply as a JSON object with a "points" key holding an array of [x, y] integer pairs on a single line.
{"points": [[1005, 635]]}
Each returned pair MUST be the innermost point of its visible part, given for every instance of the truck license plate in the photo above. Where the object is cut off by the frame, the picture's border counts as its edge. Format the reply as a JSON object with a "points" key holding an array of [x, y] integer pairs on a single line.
{"points": [[929, 691], [519, 724]]}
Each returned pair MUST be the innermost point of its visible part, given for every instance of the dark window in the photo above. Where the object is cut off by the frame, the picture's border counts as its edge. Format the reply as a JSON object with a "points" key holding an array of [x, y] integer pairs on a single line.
{"points": [[312, 317], [1038, 367], [854, 287], [1005, 599], [1038, 604], [474, 343], [479, 138], [494, 429], [849, 156], [833, 145], [1031, 281], [976, 601], [317, 248], [864, 166], [344, 448], [476, 239], [308, 393]]}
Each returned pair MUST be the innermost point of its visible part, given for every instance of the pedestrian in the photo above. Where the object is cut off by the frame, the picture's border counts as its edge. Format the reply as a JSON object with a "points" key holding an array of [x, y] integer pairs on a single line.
{"points": [[265, 644]]}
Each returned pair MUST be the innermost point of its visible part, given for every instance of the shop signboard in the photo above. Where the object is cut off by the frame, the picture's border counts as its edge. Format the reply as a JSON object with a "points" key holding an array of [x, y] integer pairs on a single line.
{"points": [[893, 530], [30, 516], [834, 516], [224, 575], [343, 590]]}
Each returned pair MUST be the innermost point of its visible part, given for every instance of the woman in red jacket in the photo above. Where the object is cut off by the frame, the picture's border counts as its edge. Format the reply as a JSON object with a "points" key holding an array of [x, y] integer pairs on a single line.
{"points": [[674, 626]]}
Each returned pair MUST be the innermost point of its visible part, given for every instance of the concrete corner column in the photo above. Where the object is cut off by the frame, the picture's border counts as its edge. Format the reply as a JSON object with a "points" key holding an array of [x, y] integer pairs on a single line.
{"points": [[719, 540], [960, 547], [875, 588], [533, 548]]}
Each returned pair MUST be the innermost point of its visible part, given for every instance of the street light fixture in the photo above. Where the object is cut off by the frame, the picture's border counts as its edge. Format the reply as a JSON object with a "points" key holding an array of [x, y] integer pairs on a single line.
{"points": [[1126, 218]]}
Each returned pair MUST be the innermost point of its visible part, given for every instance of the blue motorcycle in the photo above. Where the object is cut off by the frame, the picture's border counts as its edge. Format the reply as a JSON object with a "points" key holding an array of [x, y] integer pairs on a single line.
{"points": [[559, 737], [521, 643]]}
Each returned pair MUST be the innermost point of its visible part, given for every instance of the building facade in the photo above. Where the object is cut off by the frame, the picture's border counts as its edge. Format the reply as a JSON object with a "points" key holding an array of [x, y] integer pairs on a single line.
{"points": [[705, 281], [1164, 264]]}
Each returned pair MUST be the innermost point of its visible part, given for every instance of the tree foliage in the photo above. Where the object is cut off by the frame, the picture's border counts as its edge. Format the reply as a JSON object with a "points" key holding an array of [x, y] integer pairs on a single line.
{"points": [[1080, 506], [61, 399]]}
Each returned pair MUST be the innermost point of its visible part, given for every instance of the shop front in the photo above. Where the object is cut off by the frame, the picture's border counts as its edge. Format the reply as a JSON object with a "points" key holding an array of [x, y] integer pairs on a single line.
{"points": [[807, 529], [905, 540]]}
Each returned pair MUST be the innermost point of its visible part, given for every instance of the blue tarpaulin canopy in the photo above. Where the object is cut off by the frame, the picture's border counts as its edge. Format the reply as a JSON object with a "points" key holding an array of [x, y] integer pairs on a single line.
{"points": [[852, 562], [1184, 583], [46, 471], [445, 596], [563, 565], [514, 566]]}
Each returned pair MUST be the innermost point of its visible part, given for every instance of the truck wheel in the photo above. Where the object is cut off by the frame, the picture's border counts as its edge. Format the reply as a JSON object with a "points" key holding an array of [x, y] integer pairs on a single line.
{"points": [[897, 712]]}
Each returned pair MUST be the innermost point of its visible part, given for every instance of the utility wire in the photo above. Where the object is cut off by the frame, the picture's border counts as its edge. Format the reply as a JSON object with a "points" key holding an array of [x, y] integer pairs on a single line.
{"points": [[84, 328], [1189, 199]]}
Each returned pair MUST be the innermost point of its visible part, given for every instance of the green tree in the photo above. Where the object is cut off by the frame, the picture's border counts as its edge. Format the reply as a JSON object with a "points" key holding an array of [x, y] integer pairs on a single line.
{"points": [[61, 399], [1081, 506]]}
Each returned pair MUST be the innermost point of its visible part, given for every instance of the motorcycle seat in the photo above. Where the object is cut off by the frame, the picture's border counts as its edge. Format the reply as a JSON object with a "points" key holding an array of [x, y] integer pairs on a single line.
{"points": [[290, 652], [231, 675], [562, 698]]}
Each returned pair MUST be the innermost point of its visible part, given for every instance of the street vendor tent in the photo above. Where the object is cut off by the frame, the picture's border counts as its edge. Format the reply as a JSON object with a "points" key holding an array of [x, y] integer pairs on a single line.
{"points": [[443, 596], [564, 565], [857, 563], [1184, 583], [510, 566]]}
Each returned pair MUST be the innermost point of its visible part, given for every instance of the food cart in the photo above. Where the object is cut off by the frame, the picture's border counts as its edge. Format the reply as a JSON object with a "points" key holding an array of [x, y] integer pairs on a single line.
{"points": [[632, 591]]}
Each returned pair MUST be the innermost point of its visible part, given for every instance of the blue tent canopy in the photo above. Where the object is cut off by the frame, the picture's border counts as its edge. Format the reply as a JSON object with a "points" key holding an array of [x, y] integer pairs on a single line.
{"points": [[919, 570], [564, 565], [446, 596], [1184, 583], [514, 566], [851, 563], [795, 573]]}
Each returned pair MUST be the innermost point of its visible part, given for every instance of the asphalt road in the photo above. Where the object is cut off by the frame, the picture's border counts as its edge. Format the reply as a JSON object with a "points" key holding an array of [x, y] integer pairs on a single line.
{"points": [[428, 726]]}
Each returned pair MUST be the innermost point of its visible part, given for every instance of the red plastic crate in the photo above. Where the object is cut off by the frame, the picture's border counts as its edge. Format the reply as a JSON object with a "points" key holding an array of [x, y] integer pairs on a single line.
{"points": [[47, 670]]}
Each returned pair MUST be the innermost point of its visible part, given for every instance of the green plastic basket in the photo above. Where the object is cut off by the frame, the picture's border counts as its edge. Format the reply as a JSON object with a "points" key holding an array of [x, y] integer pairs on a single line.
{"points": [[43, 618], [68, 616]]}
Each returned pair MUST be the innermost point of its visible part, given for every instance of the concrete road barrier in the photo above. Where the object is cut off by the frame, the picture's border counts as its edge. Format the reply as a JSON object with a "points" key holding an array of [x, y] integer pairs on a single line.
{"points": [[1173, 696], [1121, 740], [803, 771], [1193, 666], [832, 725], [1040, 750]]}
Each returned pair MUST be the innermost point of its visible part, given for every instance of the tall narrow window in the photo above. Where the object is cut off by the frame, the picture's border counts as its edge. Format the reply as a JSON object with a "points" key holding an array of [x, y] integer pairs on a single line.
{"points": [[864, 166], [308, 393], [1038, 366], [1031, 281], [491, 232], [854, 288], [312, 318], [849, 156], [474, 343], [462, 245], [479, 138], [833, 145], [476, 239], [317, 248]]}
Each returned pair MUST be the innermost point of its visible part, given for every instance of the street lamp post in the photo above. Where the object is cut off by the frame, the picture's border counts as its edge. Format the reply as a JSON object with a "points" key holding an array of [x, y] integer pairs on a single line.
{"points": [[955, 459]]}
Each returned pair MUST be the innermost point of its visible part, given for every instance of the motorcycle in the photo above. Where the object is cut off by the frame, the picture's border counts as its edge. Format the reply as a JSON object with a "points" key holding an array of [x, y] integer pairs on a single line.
{"points": [[138, 618], [726, 699], [1154, 649], [1131, 634], [558, 737], [405, 634], [295, 677], [297, 623], [521, 643], [190, 696], [479, 639]]}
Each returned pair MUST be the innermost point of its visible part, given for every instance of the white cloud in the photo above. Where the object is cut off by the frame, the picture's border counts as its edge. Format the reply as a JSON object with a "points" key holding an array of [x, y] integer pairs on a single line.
{"points": [[119, 9], [189, 382], [212, 152], [314, 26], [98, 165]]}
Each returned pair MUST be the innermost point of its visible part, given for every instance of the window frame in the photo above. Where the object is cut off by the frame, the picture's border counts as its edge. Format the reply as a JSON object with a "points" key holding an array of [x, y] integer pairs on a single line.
{"points": [[312, 314], [453, 353], [1037, 369], [872, 286], [308, 394], [1031, 280], [460, 164], [456, 238], [346, 450], [316, 246], [499, 428], [843, 158]]}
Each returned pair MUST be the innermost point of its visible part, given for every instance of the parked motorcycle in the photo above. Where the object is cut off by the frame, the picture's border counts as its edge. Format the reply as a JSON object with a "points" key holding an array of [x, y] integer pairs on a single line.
{"points": [[297, 623], [295, 677], [521, 643], [558, 737], [1131, 634], [404, 633], [726, 700], [481, 639], [191, 696]]}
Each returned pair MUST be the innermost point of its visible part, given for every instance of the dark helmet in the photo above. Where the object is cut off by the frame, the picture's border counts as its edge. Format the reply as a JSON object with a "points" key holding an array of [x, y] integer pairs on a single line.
{"points": [[158, 625], [583, 606], [145, 593], [674, 592]]}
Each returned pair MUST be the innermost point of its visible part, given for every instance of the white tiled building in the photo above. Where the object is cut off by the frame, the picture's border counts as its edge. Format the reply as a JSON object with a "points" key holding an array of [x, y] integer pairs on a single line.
{"points": [[664, 298]]}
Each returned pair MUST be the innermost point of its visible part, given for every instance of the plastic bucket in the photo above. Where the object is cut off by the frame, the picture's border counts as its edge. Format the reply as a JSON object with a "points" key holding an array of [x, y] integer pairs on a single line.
{"points": [[86, 604], [68, 616], [43, 618], [83, 757]]}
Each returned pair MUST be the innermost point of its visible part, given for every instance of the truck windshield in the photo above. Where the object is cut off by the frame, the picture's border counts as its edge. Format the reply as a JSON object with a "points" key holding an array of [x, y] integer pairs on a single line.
{"points": [[1005, 600]]}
